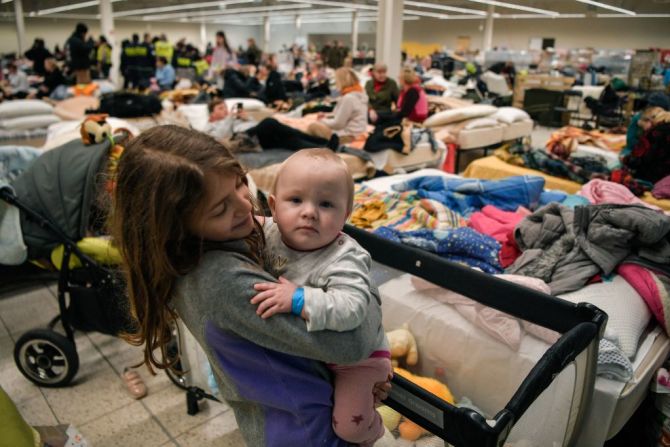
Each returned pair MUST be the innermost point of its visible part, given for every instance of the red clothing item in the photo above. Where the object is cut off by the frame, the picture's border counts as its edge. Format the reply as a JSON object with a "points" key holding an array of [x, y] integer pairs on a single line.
{"points": [[500, 225], [415, 104], [509, 251], [378, 85], [495, 222]]}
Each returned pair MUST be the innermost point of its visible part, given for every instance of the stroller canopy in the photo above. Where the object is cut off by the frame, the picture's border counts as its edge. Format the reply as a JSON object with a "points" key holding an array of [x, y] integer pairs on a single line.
{"points": [[61, 186]]}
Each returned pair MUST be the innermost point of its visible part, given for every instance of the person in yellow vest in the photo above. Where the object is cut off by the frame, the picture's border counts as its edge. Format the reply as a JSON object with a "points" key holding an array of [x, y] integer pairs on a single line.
{"points": [[163, 48], [104, 56], [201, 66]]}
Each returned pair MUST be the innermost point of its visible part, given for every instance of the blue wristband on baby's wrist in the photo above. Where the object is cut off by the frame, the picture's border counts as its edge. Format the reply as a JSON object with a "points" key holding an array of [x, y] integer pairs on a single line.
{"points": [[298, 301]]}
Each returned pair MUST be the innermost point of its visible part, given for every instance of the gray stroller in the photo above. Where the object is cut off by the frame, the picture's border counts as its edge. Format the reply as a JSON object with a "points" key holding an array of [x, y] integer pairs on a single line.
{"points": [[46, 209]]}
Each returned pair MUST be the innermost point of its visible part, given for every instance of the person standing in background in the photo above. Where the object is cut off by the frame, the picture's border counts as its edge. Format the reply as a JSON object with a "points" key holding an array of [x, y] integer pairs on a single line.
{"points": [[222, 56], [104, 57], [77, 53], [253, 53], [163, 48], [38, 54]]}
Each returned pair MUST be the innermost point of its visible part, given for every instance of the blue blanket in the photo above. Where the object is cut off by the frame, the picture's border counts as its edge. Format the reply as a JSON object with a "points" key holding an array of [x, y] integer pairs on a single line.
{"points": [[469, 195], [463, 245]]}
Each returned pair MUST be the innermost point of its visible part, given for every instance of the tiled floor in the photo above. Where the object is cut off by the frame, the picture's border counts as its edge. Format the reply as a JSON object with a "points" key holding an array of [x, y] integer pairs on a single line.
{"points": [[97, 402]]}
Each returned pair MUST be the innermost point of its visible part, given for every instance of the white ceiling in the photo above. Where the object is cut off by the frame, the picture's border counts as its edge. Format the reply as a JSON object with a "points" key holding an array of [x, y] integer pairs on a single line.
{"points": [[252, 12]]}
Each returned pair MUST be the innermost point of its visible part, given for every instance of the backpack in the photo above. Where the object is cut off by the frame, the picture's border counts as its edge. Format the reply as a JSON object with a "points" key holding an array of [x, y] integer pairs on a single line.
{"points": [[129, 105]]}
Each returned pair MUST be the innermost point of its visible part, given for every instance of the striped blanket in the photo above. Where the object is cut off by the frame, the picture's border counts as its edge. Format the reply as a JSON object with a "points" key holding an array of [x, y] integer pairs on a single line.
{"points": [[402, 211]]}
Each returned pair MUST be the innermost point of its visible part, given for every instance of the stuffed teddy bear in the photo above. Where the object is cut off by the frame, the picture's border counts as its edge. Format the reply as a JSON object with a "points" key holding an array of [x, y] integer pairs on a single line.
{"points": [[408, 429], [403, 344], [95, 129]]}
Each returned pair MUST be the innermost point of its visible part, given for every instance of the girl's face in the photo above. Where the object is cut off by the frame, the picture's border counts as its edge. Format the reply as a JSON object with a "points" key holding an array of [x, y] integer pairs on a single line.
{"points": [[225, 213]]}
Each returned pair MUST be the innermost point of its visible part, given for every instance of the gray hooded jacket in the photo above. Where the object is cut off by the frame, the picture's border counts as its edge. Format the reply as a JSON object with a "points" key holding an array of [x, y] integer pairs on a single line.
{"points": [[565, 247]]}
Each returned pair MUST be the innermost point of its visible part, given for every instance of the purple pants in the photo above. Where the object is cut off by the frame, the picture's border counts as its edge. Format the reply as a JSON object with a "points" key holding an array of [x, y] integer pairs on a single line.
{"points": [[354, 416]]}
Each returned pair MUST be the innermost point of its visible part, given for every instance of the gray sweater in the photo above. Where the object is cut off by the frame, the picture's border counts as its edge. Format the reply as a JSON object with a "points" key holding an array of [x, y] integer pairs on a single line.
{"points": [[335, 278], [350, 116], [246, 351]]}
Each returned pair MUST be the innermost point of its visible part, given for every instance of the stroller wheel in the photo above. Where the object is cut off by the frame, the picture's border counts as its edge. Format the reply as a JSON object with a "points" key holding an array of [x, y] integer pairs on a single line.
{"points": [[46, 358]]}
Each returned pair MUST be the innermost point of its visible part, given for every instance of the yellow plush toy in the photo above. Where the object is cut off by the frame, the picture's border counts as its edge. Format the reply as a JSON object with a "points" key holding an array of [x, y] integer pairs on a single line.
{"points": [[403, 344], [408, 429]]}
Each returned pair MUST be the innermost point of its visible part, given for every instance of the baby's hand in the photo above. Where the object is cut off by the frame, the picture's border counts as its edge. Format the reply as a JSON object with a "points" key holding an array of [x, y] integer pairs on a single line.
{"points": [[274, 297]]}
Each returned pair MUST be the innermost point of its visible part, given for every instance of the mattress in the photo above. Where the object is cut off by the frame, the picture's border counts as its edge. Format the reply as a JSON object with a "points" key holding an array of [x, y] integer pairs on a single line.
{"points": [[494, 168], [480, 137], [421, 157], [517, 130], [7, 134]]}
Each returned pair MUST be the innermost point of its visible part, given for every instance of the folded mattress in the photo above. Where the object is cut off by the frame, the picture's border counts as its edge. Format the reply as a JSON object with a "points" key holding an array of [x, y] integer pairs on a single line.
{"points": [[480, 137], [518, 129]]}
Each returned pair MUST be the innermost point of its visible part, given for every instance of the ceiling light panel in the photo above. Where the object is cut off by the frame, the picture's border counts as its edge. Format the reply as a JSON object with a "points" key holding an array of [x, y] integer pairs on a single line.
{"points": [[43, 12], [444, 8], [515, 6], [185, 6], [225, 12], [606, 6], [334, 3]]}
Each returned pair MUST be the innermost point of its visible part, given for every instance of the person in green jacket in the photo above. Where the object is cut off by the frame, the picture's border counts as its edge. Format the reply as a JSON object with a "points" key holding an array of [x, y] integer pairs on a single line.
{"points": [[382, 91]]}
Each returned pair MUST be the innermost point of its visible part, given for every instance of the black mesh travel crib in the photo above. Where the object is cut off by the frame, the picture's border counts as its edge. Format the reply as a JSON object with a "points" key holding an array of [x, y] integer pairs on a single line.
{"points": [[55, 197], [570, 361]]}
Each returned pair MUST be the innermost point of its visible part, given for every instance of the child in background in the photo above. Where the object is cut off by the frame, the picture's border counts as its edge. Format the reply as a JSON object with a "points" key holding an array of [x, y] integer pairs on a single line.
{"points": [[324, 278]]}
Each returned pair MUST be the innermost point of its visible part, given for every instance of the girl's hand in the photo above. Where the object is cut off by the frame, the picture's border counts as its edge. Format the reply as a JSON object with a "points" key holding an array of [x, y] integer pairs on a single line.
{"points": [[274, 297], [381, 390]]}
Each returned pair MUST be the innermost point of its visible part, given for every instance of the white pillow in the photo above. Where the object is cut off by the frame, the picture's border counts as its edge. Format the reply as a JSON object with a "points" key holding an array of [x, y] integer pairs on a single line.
{"points": [[460, 114], [196, 114], [509, 115], [30, 122], [479, 123], [24, 107], [628, 315], [247, 103]]}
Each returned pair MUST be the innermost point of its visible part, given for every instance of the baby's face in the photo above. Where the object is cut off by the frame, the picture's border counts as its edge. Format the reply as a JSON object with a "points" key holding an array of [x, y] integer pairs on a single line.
{"points": [[311, 202]]}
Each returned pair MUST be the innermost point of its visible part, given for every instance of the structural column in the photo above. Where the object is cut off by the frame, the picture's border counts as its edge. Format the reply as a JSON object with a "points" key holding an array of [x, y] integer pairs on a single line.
{"points": [[298, 30], [266, 34], [20, 26], [354, 33], [107, 29], [488, 29], [203, 37], [389, 35]]}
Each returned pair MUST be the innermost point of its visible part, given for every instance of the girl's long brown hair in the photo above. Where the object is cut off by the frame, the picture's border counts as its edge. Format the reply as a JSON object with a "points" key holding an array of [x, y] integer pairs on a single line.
{"points": [[160, 185]]}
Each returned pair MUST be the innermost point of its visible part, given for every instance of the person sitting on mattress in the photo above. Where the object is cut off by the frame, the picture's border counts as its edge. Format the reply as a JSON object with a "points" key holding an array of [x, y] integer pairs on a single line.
{"points": [[191, 248], [270, 133], [641, 121], [412, 102], [350, 117], [382, 91], [324, 278]]}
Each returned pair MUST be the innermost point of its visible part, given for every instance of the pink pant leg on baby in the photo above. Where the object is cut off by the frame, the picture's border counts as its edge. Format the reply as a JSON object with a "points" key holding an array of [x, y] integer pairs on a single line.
{"points": [[354, 416]]}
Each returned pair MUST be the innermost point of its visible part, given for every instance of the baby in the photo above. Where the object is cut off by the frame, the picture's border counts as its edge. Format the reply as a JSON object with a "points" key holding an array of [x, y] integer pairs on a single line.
{"points": [[324, 277]]}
